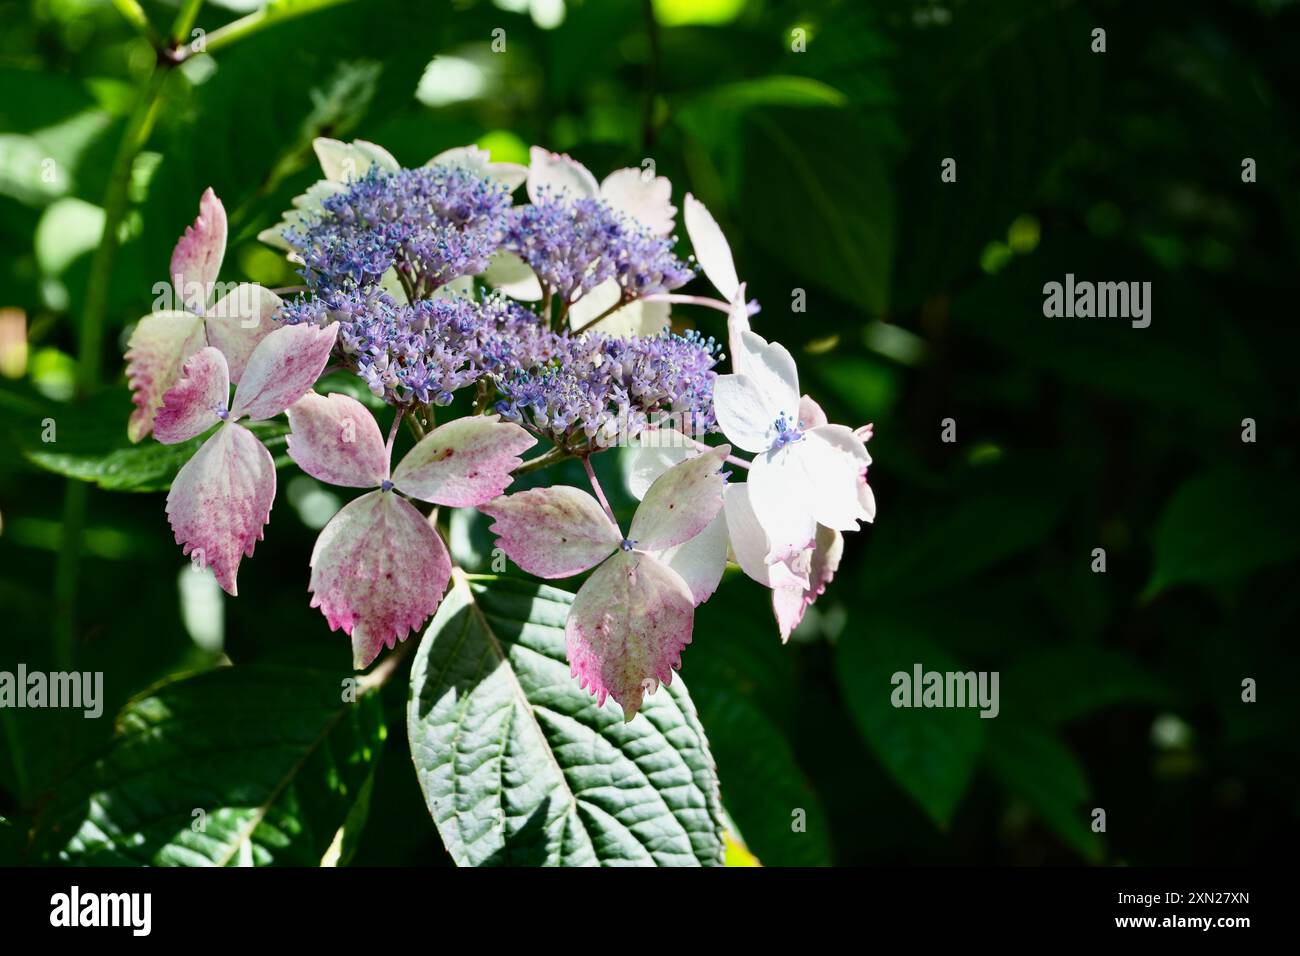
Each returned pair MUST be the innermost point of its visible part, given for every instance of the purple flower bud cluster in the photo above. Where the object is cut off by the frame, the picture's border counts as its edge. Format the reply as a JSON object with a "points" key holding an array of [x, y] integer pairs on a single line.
{"points": [[608, 390], [431, 224], [426, 351], [575, 245]]}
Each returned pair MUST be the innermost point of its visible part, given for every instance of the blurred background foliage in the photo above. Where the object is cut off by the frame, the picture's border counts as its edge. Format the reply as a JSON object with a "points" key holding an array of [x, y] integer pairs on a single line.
{"points": [[1120, 690]]}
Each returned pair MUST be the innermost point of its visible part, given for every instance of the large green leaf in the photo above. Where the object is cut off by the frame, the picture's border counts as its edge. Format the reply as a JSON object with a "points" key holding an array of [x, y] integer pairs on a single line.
{"points": [[1224, 526], [238, 766], [931, 753], [518, 764]]}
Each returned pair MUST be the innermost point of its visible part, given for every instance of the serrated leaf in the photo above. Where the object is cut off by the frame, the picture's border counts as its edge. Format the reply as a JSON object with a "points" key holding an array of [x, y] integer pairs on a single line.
{"points": [[238, 766], [518, 764]]}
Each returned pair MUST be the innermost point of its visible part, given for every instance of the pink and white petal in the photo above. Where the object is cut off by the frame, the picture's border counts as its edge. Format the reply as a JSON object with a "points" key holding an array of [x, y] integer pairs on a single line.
{"points": [[282, 369], [810, 413], [712, 251], [701, 560], [197, 401], [237, 322], [552, 174], [463, 463], [509, 274], [553, 532], [867, 499], [790, 603], [220, 501], [342, 162], [378, 571], [783, 497], [832, 460], [750, 545], [646, 198], [627, 629], [653, 452], [681, 502], [336, 439], [155, 354], [743, 412], [196, 260]]}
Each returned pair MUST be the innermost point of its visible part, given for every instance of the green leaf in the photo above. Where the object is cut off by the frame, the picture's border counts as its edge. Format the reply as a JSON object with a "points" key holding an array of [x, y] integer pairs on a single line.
{"points": [[930, 752], [770, 784], [926, 549], [824, 166], [1062, 683], [1033, 764], [1225, 526], [90, 444], [238, 766], [518, 764]]}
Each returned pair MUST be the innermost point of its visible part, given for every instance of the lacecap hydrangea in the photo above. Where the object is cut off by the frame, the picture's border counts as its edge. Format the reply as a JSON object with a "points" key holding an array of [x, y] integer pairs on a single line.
{"points": [[550, 316]]}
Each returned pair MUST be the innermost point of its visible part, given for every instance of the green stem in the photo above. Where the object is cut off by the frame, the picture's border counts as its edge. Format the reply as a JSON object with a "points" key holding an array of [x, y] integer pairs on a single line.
{"points": [[68, 568], [185, 21], [544, 460], [134, 14], [138, 128], [262, 18]]}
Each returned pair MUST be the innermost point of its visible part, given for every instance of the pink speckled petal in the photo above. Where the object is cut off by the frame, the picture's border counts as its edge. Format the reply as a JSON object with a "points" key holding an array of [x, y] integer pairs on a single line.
{"points": [[681, 502], [463, 463], [196, 260], [553, 532], [790, 603], [220, 500], [239, 321], [378, 570], [336, 439], [627, 628], [198, 399], [282, 369], [155, 354]]}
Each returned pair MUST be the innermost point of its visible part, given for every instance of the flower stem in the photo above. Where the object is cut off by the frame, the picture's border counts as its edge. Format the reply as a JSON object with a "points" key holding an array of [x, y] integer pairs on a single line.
{"points": [[392, 432], [595, 486], [543, 460], [703, 300]]}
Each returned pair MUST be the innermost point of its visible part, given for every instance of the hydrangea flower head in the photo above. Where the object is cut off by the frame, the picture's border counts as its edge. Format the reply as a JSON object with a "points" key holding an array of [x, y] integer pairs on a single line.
{"points": [[430, 225]]}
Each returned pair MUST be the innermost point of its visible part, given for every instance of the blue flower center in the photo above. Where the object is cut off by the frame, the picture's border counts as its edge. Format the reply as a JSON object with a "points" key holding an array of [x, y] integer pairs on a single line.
{"points": [[385, 485], [786, 432], [628, 544]]}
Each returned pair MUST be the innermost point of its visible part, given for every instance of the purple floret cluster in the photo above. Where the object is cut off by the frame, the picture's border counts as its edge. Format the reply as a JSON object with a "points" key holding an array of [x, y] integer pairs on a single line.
{"points": [[438, 223]]}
